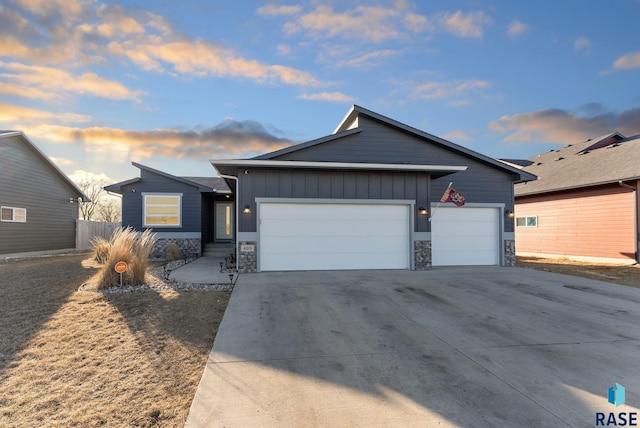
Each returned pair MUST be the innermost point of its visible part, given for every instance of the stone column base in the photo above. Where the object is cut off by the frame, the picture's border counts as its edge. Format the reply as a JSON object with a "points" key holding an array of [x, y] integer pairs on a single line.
{"points": [[247, 257], [421, 255], [509, 252]]}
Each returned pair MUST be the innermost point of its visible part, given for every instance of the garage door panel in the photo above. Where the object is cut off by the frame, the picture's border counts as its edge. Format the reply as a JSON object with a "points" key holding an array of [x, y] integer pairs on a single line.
{"points": [[465, 236], [338, 261], [328, 244], [333, 236], [293, 227], [468, 258]]}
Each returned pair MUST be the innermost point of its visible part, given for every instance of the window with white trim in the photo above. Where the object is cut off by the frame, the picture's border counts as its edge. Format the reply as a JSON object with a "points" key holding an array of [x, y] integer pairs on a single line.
{"points": [[529, 221], [162, 209], [12, 214]]}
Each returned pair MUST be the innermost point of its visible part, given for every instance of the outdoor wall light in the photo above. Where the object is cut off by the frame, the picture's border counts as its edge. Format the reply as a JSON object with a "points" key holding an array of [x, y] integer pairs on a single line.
{"points": [[246, 210], [423, 211], [509, 213]]}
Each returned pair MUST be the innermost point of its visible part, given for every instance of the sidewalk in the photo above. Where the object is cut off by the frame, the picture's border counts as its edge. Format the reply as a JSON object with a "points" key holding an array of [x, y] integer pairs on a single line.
{"points": [[204, 270]]}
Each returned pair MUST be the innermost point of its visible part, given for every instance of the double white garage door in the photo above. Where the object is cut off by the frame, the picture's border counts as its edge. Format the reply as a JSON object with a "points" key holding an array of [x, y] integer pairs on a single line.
{"points": [[323, 236], [333, 236]]}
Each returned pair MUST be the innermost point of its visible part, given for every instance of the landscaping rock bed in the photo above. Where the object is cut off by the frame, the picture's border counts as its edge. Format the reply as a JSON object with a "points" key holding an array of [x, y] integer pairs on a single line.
{"points": [[158, 280]]}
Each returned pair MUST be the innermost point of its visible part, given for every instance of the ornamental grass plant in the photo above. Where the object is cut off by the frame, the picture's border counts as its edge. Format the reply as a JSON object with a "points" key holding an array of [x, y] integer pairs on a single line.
{"points": [[126, 245]]}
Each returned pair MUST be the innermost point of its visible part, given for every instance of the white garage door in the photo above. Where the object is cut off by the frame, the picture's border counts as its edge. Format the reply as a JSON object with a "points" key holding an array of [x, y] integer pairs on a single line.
{"points": [[465, 236], [333, 236]]}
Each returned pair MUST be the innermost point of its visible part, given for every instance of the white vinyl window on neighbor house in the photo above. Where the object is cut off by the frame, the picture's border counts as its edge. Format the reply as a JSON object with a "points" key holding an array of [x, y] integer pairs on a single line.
{"points": [[529, 221], [162, 209], [12, 214]]}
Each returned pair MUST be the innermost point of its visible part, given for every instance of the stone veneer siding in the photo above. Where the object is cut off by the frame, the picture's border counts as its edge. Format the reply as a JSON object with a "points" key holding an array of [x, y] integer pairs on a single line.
{"points": [[248, 260], [189, 247], [422, 255], [509, 252]]}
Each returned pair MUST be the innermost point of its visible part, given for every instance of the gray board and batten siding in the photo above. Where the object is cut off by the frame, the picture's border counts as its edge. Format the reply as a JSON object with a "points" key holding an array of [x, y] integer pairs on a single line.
{"points": [[376, 142], [29, 180], [150, 182]]}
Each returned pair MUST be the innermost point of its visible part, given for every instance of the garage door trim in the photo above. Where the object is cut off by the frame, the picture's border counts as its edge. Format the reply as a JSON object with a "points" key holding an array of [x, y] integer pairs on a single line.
{"points": [[501, 210], [328, 201]]}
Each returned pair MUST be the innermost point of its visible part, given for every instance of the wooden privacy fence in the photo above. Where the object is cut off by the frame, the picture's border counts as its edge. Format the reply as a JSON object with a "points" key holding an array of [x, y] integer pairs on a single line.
{"points": [[86, 230]]}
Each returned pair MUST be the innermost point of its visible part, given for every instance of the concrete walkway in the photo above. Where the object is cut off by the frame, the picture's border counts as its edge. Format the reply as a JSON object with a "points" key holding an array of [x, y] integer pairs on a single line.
{"points": [[204, 270], [449, 347]]}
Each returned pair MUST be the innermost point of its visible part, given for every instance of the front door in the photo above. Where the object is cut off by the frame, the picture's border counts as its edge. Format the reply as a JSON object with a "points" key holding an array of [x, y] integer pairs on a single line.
{"points": [[224, 221]]}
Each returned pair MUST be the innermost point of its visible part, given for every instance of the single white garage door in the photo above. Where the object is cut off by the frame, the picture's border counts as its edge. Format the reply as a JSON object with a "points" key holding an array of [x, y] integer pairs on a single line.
{"points": [[333, 236], [465, 236]]}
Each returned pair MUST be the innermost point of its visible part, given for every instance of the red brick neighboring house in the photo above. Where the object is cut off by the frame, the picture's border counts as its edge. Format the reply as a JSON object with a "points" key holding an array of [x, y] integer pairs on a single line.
{"points": [[584, 205]]}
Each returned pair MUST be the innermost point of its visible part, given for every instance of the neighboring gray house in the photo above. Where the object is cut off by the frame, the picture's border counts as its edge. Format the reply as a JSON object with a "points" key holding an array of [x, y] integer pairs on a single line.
{"points": [[38, 202], [366, 197], [187, 211]]}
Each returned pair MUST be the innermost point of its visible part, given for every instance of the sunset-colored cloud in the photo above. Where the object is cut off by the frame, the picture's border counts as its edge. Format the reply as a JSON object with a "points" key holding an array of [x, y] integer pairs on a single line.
{"points": [[13, 90], [28, 77], [630, 60], [11, 113], [43, 8], [113, 32], [337, 97], [562, 126], [200, 58], [228, 139]]}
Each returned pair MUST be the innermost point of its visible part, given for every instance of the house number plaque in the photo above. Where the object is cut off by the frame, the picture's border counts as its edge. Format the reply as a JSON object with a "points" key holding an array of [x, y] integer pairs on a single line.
{"points": [[247, 248]]}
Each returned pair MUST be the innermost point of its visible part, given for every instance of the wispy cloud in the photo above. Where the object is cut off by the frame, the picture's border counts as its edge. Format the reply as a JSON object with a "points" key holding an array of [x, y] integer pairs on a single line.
{"points": [[630, 60], [378, 24], [439, 90], [367, 60], [337, 97], [517, 28], [465, 25], [276, 10], [562, 126], [28, 80], [582, 45], [457, 135], [11, 113], [372, 23], [229, 138]]}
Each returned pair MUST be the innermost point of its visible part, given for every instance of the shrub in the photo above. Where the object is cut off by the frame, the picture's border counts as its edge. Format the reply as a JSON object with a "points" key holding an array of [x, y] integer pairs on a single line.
{"points": [[128, 246], [173, 253], [101, 249]]}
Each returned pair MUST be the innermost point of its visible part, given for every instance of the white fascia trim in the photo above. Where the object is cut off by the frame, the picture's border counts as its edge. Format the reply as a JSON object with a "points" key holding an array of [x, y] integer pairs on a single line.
{"points": [[337, 165]]}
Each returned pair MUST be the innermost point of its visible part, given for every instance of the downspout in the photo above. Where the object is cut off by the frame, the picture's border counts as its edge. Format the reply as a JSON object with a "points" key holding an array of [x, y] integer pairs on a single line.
{"points": [[635, 222], [231, 177]]}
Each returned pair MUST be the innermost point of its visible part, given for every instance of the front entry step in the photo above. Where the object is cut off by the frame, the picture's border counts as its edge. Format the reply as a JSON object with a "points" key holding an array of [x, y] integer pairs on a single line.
{"points": [[218, 250]]}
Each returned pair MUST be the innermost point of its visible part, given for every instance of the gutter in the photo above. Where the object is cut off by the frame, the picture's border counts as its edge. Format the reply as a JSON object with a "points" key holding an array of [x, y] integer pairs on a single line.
{"points": [[635, 203]]}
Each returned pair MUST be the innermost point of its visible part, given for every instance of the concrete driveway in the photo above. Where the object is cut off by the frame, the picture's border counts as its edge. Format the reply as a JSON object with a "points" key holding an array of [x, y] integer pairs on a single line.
{"points": [[471, 347]]}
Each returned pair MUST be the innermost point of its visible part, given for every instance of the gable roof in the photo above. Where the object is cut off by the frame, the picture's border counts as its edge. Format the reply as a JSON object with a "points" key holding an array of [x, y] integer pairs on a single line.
{"points": [[348, 127], [203, 184], [45, 158], [589, 163]]}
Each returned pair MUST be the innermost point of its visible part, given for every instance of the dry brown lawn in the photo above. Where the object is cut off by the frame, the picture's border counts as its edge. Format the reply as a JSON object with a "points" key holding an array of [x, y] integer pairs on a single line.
{"points": [[626, 275], [70, 358]]}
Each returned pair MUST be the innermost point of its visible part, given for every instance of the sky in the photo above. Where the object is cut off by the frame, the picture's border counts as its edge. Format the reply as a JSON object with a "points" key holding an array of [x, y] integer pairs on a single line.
{"points": [[99, 84]]}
